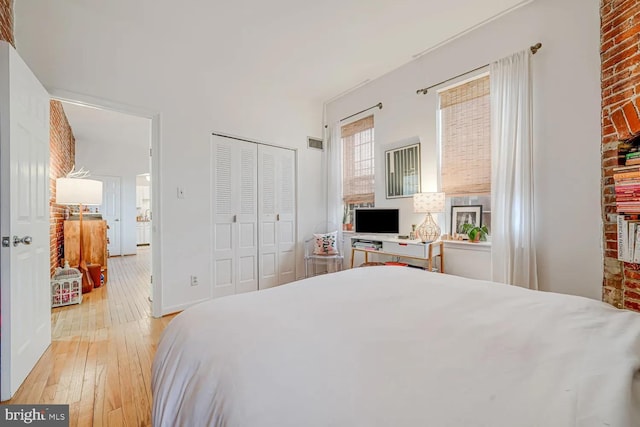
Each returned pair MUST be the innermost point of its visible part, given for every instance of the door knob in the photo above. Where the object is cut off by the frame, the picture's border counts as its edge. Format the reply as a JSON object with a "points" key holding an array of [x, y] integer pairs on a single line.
{"points": [[26, 240], [117, 219]]}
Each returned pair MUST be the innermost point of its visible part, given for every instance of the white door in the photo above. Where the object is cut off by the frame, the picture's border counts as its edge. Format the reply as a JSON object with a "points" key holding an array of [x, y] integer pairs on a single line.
{"points": [[25, 292], [286, 202], [267, 217], [111, 212], [276, 215], [234, 240]]}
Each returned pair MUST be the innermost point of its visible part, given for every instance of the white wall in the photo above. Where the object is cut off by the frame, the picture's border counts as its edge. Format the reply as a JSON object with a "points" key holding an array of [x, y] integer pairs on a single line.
{"points": [[566, 75], [97, 57], [108, 158]]}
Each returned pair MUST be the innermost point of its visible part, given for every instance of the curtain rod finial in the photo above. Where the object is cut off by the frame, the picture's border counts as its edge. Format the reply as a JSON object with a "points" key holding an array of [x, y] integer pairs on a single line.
{"points": [[422, 91], [379, 105], [535, 48]]}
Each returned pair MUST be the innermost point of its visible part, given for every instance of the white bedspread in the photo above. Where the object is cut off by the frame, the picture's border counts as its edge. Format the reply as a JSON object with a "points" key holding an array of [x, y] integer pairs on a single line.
{"points": [[394, 346]]}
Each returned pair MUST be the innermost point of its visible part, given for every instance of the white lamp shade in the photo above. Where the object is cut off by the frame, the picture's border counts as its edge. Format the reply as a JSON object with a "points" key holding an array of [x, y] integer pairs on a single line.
{"points": [[76, 191], [428, 202]]}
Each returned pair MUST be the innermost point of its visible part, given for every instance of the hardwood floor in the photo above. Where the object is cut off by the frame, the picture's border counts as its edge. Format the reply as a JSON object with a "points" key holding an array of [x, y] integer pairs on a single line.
{"points": [[99, 361]]}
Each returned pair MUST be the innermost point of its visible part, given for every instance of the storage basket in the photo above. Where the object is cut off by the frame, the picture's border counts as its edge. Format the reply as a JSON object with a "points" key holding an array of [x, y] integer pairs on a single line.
{"points": [[66, 286]]}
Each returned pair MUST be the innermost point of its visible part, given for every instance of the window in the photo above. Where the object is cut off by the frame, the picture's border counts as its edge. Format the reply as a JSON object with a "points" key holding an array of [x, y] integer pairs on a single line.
{"points": [[358, 188], [465, 144]]}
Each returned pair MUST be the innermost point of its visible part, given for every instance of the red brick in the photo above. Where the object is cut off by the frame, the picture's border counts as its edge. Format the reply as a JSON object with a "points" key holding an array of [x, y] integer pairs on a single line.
{"points": [[6, 21], [614, 56], [622, 129], [612, 161], [608, 228], [632, 305], [631, 115], [613, 283], [609, 139], [62, 146], [620, 14], [629, 274], [610, 154], [615, 99]]}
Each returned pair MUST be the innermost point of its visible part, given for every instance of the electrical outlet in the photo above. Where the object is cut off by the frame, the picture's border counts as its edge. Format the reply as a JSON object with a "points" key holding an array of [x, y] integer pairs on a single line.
{"points": [[194, 281]]}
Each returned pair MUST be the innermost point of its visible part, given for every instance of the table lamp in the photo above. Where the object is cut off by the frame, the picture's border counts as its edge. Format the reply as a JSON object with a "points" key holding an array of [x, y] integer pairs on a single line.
{"points": [[80, 191], [428, 203]]}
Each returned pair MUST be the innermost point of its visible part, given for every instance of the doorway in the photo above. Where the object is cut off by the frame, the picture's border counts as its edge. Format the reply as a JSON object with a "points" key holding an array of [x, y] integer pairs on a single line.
{"points": [[104, 132]]}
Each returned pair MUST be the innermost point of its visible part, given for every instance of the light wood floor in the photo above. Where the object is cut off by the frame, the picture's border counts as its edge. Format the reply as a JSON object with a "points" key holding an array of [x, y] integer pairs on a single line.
{"points": [[100, 357]]}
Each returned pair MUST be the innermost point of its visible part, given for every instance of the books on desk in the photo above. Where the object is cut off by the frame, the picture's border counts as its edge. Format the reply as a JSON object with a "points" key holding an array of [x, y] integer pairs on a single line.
{"points": [[370, 246]]}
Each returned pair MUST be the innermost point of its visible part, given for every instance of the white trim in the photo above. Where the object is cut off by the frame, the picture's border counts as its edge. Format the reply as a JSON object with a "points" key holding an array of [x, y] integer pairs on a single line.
{"points": [[468, 246], [470, 29], [254, 141], [156, 195], [181, 307]]}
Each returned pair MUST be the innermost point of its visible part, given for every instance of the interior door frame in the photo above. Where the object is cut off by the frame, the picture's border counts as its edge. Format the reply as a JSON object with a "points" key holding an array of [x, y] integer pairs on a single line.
{"points": [[156, 196]]}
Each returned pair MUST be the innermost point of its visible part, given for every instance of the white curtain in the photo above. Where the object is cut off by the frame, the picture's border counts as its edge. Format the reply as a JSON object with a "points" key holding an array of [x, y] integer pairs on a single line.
{"points": [[334, 176], [513, 252]]}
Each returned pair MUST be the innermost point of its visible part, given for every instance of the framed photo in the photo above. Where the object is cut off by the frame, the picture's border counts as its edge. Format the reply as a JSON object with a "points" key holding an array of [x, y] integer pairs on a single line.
{"points": [[469, 214], [402, 171]]}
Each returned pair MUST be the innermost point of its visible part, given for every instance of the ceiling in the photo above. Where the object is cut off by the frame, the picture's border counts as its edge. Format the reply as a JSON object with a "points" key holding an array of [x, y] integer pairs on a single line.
{"points": [[297, 48], [311, 50], [92, 126]]}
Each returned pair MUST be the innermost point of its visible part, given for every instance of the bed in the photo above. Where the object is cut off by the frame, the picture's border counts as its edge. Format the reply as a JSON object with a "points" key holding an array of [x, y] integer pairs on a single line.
{"points": [[396, 346]]}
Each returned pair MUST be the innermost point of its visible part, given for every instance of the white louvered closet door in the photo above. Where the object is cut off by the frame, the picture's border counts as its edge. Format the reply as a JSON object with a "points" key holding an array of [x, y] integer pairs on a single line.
{"points": [[234, 240], [276, 216]]}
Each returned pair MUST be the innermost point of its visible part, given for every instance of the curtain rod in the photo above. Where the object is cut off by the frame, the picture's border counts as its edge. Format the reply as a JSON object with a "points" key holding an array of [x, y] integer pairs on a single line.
{"points": [[378, 105], [535, 48]]}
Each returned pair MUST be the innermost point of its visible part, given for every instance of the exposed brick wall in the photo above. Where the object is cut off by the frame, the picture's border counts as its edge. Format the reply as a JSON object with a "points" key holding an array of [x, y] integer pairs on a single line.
{"points": [[620, 57], [63, 152], [6, 21]]}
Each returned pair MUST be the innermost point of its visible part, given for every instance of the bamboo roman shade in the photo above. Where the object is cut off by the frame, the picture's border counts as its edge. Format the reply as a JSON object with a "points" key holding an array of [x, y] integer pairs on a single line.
{"points": [[466, 138], [358, 159]]}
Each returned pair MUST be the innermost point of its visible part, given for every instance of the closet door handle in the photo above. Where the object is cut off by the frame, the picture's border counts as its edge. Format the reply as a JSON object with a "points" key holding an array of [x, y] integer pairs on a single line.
{"points": [[277, 217], [235, 218]]}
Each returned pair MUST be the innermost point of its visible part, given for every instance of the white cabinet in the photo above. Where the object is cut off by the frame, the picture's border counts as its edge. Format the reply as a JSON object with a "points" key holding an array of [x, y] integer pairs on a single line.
{"points": [[253, 221], [143, 232], [472, 260]]}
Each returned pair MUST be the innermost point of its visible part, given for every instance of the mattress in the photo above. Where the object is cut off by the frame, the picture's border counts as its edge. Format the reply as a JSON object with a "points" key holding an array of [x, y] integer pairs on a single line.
{"points": [[396, 346]]}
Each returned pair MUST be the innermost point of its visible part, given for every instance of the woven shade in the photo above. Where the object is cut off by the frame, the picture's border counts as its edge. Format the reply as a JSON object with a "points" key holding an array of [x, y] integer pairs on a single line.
{"points": [[465, 113], [428, 202], [358, 184]]}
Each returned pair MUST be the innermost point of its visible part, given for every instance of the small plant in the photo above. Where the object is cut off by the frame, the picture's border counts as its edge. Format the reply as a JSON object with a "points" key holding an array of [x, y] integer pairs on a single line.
{"points": [[346, 219], [474, 232]]}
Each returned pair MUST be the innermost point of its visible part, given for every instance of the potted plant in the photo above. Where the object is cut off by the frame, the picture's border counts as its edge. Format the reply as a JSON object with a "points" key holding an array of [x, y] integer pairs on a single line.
{"points": [[346, 219], [475, 233]]}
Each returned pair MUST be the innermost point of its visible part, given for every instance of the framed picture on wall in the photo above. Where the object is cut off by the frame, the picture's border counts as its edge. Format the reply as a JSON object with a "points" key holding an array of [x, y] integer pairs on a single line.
{"points": [[469, 214], [402, 171]]}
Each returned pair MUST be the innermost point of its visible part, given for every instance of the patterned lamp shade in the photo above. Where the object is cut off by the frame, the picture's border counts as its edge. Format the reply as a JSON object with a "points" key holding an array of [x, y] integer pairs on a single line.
{"points": [[428, 202]]}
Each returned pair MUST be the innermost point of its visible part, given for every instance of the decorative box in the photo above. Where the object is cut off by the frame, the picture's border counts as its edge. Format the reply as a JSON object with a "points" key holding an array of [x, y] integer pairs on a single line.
{"points": [[66, 286]]}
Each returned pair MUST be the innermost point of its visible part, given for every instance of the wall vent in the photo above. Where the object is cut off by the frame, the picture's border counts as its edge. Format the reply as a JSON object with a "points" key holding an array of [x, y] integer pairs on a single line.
{"points": [[316, 143]]}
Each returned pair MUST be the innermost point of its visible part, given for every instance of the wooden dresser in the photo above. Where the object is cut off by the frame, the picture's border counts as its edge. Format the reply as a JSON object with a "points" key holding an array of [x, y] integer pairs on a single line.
{"points": [[94, 250]]}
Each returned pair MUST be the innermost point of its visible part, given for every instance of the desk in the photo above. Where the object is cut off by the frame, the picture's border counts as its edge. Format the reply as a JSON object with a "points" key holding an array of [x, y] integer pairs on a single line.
{"points": [[411, 249]]}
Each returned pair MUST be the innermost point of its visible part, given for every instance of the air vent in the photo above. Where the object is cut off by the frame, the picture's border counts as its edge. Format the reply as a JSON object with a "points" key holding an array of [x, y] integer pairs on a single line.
{"points": [[314, 143]]}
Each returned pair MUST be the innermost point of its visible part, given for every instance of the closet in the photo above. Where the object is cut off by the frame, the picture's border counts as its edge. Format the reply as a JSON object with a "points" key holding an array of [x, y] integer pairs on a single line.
{"points": [[253, 215]]}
